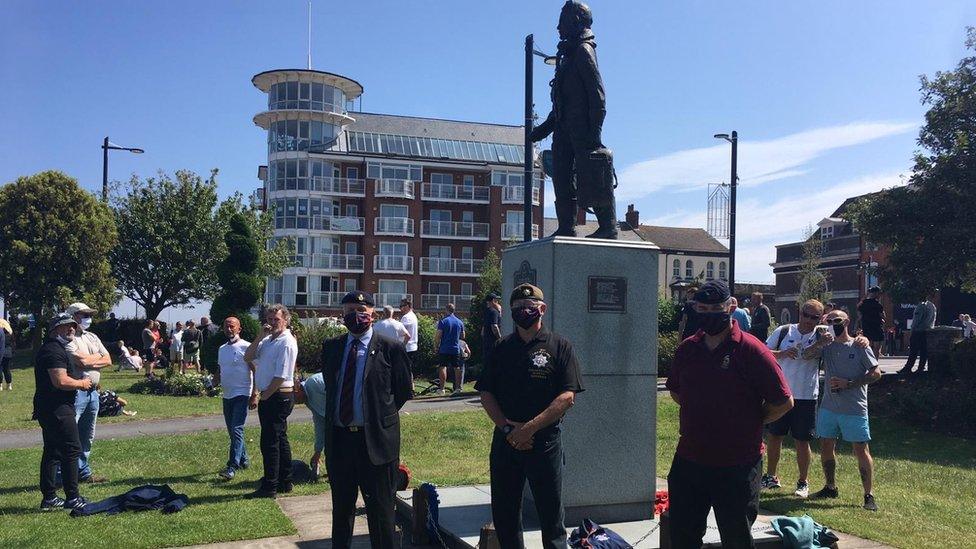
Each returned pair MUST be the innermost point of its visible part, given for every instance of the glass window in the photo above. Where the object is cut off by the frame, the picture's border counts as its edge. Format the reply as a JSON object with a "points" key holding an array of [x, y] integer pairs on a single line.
{"points": [[439, 288], [393, 248], [676, 268], [441, 178], [710, 270], [352, 173], [467, 252], [467, 217], [393, 286], [722, 271], [349, 285], [393, 210], [302, 221], [352, 210], [440, 215], [467, 288], [513, 217], [689, 269], [373, 170], [469, 181], [352, 248], [440, 251]]}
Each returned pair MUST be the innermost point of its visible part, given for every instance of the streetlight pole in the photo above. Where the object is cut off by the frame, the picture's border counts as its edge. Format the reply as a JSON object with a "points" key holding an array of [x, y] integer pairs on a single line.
{"points": [[109, 146], [734, 140], [527, 176]]}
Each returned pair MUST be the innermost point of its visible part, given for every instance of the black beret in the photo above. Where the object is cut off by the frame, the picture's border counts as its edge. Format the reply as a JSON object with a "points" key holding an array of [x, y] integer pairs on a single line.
{"points": [[713, 292], [359, 298], [525, 291]]}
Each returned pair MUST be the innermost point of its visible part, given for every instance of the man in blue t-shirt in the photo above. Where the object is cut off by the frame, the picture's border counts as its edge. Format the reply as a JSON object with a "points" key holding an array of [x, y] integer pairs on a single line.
{"points": [[447, 340]]}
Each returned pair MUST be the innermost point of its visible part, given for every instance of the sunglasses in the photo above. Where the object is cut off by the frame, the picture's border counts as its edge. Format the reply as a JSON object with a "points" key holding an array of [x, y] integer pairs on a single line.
{"points": [[810, 316], [835, 321]]}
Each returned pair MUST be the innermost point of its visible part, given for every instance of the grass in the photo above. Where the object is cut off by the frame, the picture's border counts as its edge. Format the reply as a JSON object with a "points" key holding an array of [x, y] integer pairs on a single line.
{"points": [[17, 405], [925, 485], [444, 448]]}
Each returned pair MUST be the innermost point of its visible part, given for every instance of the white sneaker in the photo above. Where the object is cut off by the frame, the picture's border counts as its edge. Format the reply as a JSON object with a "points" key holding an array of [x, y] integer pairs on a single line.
{"points": [[802, 489]]}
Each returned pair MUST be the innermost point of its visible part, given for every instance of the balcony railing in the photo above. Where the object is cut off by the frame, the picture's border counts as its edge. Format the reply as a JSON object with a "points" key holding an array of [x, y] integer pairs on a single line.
{"points": [[345, 225], [311, 299], [331, 262], [514, 230], [392, 300], [397, 226], [444, 192], [436, 302], [394, 188], [338, 186], [447, 265], [453, 229], [512, 194], [393, 264]]}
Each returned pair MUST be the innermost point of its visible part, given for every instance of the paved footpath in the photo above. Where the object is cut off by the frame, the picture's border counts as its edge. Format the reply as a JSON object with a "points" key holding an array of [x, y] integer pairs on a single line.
{"points": [[30, 438], [312, 517]]}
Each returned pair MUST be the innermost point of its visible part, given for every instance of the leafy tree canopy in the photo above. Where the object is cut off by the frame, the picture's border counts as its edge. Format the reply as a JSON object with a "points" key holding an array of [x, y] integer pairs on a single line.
{"points": [[927, 225], [54, 240]]}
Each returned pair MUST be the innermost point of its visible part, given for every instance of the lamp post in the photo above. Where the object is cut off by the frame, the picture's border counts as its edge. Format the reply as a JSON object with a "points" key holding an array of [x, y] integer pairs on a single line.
{"points": [[527, 180], [109, 146], [734, 182]]}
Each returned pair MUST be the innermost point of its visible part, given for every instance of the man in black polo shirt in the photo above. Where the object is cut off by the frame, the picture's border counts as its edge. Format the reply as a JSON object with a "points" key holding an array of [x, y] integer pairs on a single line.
{"points": [[492, 325], [56, 382], [529, 383]]}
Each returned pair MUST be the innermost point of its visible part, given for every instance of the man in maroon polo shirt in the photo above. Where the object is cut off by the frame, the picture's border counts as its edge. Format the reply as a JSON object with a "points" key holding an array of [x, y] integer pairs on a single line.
{"points": [[727, 385]]}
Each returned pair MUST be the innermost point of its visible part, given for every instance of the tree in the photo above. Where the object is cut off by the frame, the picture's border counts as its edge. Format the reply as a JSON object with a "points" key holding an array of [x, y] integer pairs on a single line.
{"points": [[238, 273], [489, 282], [169, 243], [926, 226], [55, 238], [813, 282], [273, 254]]}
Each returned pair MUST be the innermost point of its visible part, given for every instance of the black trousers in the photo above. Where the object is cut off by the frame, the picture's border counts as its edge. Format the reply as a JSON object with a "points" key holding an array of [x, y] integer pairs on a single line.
{"points": [[61, 445], [350, 471], [917, 348], [5, 370], [732, 491], [542, 466], [275, 450]]}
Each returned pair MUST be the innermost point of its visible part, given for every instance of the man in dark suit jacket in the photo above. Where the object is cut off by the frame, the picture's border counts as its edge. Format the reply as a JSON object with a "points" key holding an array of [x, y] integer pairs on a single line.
{"points": [[367, 382]]}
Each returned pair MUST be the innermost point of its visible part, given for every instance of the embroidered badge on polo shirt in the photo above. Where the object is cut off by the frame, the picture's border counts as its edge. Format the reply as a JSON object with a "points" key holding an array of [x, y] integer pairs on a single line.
{"points": [[540, 358]]}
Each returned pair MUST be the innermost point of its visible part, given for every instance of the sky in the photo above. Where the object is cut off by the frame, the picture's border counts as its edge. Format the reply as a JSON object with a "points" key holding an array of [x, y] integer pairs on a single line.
{"points": [[824, 96]]}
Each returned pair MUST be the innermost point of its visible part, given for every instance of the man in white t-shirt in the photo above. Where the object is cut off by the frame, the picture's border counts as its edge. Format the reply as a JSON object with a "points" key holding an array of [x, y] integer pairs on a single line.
{"points": [[236, 381], [797, 348], [176, 347], [391, 327], [409, 320], [273, 357]]}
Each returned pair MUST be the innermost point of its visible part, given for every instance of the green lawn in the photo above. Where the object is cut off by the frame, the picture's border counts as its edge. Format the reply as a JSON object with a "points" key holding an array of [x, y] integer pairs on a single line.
{"points": [[17, 405], [443, 448], [925, 485]]}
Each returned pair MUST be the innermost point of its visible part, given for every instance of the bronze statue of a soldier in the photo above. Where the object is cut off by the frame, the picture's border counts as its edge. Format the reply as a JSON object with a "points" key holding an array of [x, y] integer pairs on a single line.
{"points": [[576, 125]]}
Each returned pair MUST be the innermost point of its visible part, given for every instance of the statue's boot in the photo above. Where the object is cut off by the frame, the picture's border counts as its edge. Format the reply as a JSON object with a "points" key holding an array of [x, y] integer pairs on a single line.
{"points": [[566, 214], [606, 216]]}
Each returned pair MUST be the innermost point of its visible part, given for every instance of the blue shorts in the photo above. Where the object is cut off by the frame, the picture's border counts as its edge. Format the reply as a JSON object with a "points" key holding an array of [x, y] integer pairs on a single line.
{"points": [[851, 428]]}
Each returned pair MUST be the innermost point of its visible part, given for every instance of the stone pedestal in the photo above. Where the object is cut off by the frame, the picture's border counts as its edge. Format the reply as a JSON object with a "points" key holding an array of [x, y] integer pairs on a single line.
{"points": [[602, 295]]}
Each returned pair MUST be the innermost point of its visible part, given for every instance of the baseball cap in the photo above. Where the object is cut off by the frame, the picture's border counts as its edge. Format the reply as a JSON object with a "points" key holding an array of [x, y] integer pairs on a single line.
{"points": [[79, 307], [713, 292]]}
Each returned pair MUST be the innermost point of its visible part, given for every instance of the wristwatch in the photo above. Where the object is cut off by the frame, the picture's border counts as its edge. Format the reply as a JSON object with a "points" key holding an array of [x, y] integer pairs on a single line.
{"points": [[507, 429]]}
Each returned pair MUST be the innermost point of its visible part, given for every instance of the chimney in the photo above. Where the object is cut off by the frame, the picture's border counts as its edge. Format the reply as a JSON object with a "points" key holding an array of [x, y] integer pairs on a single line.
{"points": [[633, 216]]}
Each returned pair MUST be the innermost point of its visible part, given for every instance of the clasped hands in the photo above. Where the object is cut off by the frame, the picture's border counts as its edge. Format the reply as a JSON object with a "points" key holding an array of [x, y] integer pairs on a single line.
{"points": [[521, 437]]}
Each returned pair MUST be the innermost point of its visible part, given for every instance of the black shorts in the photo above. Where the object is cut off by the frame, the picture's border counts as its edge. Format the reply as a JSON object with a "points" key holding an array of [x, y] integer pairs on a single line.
{"points": [[800, 421], [449, 361]]}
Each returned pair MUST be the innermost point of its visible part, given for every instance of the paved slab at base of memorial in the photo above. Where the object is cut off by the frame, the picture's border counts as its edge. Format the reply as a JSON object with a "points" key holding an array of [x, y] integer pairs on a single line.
{"points": [[464, 510]]}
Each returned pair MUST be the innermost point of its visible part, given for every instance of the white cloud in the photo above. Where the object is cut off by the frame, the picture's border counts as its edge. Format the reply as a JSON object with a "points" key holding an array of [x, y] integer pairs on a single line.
{"points": [[759, 161]]}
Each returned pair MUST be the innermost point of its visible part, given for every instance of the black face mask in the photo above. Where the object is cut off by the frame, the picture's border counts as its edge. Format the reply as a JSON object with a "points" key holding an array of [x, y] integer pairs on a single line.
{"points": [[525, 317], [714, 323], [838, 329]]}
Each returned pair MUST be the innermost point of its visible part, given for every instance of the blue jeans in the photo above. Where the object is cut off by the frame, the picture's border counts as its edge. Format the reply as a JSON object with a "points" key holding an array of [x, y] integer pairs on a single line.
{"points": [[86, 414], [235, 414]]}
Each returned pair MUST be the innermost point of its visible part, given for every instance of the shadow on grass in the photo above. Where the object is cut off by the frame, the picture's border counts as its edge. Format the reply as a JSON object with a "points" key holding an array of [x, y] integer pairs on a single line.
{"points": [[788, 504]]}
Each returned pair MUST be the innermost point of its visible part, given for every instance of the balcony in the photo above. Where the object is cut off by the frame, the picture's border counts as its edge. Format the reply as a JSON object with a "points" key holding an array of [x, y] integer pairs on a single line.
{"points": [[312, 299], [338, 186], [392, 300], [460, 230], [331, 262], [512, 194], [393, 264], [443, 192], [437, 302], [393, 226], [450, 266], [340, 225], [514, 231], [394, 188]]}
